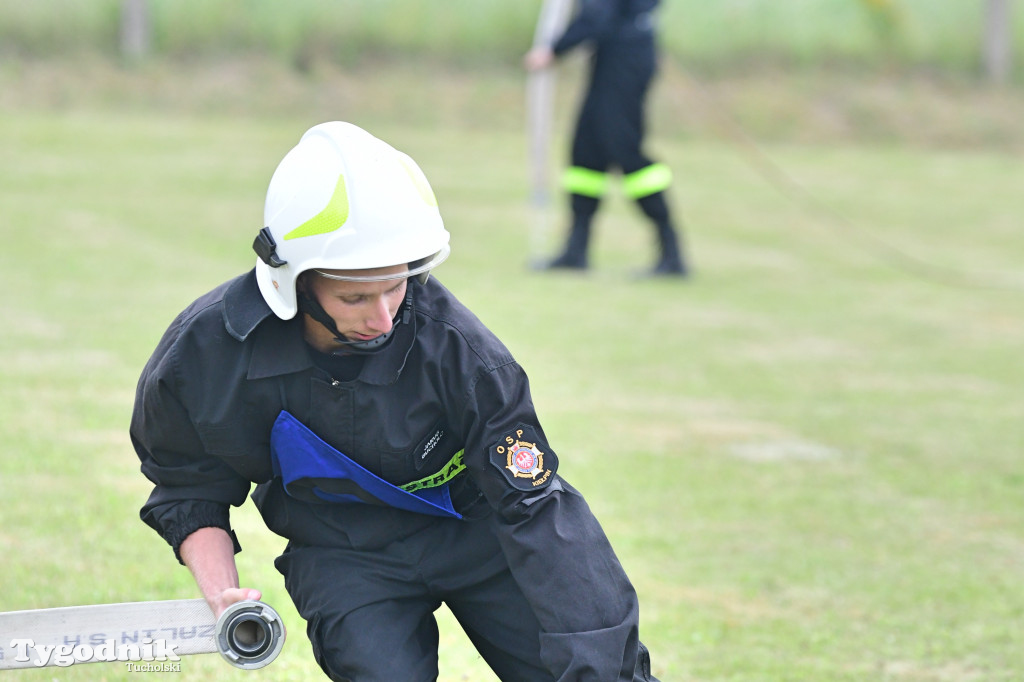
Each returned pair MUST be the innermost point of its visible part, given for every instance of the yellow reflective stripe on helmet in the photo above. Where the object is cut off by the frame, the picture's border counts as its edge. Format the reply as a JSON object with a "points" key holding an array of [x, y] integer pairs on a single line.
{"points": [[418, 179], [585, 181], [333, 216], [647, 181], [453, 468]]}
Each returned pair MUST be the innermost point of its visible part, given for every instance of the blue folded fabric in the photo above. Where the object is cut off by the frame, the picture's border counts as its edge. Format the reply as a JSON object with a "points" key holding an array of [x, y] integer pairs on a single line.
{"points": [[314, 471]]}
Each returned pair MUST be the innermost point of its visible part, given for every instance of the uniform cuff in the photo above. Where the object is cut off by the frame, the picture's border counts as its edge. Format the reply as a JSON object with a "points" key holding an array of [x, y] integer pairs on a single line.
{"points": [[201, 518]]}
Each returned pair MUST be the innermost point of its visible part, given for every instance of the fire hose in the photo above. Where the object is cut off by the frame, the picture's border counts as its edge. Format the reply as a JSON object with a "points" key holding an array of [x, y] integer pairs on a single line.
{"points": [[248, 634]]}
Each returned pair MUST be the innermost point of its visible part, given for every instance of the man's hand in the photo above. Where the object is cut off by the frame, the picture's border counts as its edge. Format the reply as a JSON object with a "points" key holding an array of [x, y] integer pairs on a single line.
{"points": [[230, 596], [538, 58]]}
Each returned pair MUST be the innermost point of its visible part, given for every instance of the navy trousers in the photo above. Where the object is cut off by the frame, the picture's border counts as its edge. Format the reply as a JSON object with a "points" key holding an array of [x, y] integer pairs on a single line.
{"points": [[370, 615]]}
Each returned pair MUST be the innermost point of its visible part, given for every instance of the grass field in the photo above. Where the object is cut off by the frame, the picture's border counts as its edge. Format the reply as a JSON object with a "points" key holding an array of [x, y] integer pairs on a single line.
{"points": [[808, 457]]}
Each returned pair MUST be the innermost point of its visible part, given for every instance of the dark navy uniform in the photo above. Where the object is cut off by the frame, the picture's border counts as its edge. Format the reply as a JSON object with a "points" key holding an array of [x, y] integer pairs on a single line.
{"points": [[527, 569], [610, 126]]}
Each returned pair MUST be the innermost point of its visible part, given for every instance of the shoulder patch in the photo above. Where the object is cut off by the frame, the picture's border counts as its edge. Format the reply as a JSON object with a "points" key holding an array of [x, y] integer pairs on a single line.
{"points": [[526, 462]]}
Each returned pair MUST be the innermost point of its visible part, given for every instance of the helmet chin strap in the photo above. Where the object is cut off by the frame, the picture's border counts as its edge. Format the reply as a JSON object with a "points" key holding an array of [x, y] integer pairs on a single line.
{"points": [[312, 307]]}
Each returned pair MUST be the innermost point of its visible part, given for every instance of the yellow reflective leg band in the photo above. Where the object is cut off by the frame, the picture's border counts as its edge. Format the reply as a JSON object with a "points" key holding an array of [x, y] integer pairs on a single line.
{"points": [[585, 181], [453, 468], [647, 181]]}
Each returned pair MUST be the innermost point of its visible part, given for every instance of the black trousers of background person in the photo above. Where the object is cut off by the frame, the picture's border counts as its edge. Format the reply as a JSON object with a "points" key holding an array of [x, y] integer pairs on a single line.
{"points": [[610, 126], [370, 614], [609, 134]]}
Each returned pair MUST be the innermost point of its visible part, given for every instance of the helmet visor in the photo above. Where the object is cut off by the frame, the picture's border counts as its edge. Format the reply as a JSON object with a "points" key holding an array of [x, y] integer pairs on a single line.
{"points": [[415, 268]]}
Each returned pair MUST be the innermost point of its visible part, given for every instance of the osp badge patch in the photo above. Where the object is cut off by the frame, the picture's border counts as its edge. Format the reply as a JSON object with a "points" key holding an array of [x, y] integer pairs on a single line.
{"points": [[526, 462]]}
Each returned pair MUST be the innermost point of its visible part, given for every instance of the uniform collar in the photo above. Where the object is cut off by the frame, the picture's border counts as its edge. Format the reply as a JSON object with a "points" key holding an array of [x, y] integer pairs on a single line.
{"points": [[244, 307], [279, 347]]}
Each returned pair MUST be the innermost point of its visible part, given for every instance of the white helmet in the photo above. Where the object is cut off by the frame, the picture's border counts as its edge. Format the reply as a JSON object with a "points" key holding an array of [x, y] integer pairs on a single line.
{"points": [[342, 199]]}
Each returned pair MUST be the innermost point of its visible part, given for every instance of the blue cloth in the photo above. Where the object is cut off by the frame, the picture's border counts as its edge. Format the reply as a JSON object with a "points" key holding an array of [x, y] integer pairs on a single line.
{"points": [[314, 471]]}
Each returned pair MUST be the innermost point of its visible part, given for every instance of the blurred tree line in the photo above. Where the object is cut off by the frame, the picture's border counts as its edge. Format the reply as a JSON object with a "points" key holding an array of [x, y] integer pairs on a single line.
{"points": [[885, 15], [996, 37], [965, 36]]}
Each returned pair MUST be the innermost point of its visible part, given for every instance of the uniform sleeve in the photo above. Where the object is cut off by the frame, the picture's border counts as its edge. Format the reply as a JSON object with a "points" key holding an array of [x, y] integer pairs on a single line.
{"points": [[558, 552], [594, 20], [191, 489]]}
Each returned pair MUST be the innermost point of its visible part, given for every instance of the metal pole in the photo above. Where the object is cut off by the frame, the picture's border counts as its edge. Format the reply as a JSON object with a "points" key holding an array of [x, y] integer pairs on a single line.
{"points": [[135, 29], [997, 45], [540, 103]]}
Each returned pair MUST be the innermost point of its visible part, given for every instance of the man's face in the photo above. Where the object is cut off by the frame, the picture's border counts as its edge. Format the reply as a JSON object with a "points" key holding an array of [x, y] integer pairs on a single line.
{"points": [[361, 310]]}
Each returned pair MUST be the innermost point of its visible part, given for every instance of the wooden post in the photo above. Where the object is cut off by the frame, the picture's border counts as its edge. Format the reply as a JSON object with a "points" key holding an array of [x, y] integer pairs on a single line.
{"points": [[997, 49]]}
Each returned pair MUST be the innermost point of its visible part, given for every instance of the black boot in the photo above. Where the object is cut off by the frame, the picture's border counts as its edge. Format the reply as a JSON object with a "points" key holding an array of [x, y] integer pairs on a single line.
{"points": [[574, 256], [670, 261]]}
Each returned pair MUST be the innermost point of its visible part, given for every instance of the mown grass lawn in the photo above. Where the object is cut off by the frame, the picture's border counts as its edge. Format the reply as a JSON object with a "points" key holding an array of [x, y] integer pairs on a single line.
{"points": [[807, 457]]}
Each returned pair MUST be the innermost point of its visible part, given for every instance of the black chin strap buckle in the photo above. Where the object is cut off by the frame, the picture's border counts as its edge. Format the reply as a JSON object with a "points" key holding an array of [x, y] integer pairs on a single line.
{"points": [[266, 248]]}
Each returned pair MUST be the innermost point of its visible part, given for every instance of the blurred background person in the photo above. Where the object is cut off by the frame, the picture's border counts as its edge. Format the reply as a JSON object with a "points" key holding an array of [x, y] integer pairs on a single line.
{"points": [[609, 131]]}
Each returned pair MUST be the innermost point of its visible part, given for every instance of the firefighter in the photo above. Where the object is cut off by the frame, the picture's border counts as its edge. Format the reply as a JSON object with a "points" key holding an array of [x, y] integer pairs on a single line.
{"points": [[391, 437], [610, 126]]}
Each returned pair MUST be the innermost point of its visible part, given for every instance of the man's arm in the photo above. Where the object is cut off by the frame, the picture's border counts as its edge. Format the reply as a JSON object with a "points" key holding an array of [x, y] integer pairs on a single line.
{"points": [[210, 554], [556, 549]]}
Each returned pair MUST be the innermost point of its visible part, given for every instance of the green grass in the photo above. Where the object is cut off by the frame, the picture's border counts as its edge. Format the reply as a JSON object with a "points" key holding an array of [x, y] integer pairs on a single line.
{"points": [[808, 457]]}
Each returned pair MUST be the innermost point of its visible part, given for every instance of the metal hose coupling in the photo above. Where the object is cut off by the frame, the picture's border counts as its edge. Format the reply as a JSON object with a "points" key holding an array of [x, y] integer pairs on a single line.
{"points": [[249, 634]]}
